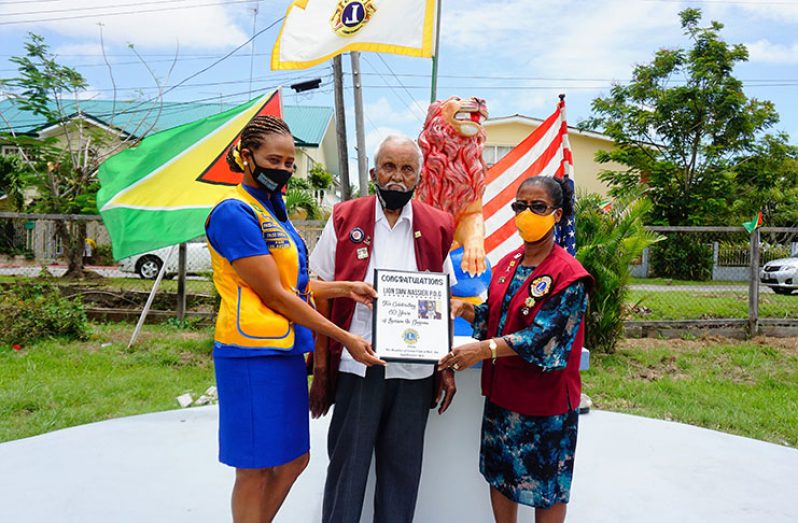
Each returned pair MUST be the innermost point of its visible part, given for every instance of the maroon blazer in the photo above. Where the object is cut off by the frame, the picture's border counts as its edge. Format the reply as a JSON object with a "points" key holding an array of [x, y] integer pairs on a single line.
{"points": [[353, 221]]}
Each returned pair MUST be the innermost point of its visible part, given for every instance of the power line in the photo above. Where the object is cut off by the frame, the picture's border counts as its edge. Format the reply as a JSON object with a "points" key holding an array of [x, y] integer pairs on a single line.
{"points": [[138, 11], [94, 8], [204, 69]]}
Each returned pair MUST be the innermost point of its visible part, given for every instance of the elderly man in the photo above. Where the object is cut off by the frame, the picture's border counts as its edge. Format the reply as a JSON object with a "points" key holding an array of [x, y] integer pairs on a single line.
{"points": [[379, 410]]}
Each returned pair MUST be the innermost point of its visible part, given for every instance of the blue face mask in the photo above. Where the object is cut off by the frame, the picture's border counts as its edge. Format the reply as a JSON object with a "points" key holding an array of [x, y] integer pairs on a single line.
{"points": [[273, 180]]}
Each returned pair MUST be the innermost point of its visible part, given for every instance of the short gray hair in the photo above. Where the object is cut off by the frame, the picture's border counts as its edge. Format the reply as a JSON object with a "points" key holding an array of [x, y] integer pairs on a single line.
{"points": [[398, 138]]}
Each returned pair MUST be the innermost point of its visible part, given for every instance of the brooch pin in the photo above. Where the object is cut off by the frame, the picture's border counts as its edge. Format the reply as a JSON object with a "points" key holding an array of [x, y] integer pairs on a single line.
{"points": [[356, 235], [540, 286]]}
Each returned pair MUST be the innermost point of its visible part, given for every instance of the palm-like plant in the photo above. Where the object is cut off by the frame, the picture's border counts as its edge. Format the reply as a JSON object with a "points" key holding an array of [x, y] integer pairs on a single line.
{"points": [[608, 242], [297, 200]]}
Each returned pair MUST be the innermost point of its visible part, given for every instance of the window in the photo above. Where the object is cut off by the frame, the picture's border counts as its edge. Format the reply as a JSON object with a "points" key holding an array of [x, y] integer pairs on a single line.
{"points": [[493, 153]]}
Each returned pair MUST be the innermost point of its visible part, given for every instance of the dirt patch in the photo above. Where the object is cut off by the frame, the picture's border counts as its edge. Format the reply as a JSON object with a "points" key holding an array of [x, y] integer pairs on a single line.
{"points": [[783, 345]]}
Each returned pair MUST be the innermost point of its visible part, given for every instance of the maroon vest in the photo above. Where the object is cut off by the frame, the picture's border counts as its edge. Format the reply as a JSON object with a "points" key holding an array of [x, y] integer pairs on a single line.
{"points": [[353, 222], [511, 382]]}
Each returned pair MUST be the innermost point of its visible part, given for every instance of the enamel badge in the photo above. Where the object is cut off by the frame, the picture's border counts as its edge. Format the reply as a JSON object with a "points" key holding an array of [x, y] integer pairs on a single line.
{"points": [[530, 302], [356, 235], [540, 286], [362, 253]]}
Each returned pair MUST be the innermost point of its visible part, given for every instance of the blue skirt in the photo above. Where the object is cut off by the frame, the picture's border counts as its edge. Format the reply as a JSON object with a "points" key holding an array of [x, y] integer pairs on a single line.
{"points": [[263, 410]]}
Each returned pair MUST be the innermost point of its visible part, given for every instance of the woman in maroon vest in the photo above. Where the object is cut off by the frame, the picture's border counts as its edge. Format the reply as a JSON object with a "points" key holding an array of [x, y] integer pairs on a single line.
{"points": [[531, 331]]}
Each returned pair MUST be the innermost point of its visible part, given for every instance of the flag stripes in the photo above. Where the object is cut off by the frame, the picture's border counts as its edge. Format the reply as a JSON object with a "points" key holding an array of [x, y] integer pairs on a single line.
{"points": [[545, 152]]}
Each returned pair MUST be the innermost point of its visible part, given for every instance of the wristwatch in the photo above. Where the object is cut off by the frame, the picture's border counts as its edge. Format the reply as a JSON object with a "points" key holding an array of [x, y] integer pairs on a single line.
{"points": [[492, 346]]}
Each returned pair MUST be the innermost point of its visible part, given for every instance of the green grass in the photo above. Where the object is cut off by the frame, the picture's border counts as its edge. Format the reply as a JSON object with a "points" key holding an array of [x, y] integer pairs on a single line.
{"points": [[55, 384], [744, 388], [747, 388], [681, 305], [692, 283]]}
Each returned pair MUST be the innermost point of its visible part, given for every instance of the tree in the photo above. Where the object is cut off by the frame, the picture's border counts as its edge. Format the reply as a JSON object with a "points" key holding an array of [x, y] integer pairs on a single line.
{"points": [[62, 166], [685, 129]]}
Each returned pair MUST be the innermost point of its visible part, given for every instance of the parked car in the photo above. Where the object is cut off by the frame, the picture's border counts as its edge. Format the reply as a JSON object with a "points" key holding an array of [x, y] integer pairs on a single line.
{"points": [[147, 265], [781, 275]]}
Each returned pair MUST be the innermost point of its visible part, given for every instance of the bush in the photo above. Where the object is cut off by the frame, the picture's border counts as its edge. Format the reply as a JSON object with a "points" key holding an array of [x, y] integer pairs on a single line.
{"points": [[103, 254], [32, 311], [682, 257], [319, 177], [607, 244]]}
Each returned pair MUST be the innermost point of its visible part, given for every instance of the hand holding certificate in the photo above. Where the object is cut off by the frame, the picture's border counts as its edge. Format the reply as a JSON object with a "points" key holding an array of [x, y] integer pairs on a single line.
{"points": [[411, 317]]}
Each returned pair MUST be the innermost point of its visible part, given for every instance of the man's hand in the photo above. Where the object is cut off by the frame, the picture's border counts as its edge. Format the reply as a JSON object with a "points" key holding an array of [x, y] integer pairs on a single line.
{"points": [[362, 292], [447, 388], [361, 351], [320, 396]]}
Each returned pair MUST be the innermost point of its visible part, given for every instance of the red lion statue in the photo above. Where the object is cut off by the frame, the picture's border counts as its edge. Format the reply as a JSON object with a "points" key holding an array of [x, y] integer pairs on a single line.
{"points": [[453, 173]]}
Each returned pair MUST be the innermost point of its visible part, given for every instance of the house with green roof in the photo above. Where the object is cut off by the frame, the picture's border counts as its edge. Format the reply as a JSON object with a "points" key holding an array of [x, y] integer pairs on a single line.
{"points": [[312, 126]]}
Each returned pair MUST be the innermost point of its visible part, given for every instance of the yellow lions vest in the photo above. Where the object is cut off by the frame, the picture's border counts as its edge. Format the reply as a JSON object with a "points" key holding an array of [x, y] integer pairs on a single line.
{"points": [[244, 320]]}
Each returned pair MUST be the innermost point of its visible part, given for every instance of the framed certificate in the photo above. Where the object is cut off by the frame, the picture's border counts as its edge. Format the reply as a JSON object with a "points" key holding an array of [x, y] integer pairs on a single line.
{"points": [[411, 316]]}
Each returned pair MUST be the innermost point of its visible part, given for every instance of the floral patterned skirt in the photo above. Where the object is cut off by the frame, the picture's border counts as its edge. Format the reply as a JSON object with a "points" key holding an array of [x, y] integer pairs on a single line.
{"points": [[529, 459]]}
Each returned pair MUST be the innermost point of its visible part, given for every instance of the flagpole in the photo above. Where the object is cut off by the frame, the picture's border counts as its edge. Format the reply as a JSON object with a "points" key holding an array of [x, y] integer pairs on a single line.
{"points": [[340, 128], [362, 160], [434, 90]]}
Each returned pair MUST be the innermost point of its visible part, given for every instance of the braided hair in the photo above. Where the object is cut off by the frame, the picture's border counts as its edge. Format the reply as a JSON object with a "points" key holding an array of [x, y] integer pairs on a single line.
{"points": [[558, 189], [253, 136]]}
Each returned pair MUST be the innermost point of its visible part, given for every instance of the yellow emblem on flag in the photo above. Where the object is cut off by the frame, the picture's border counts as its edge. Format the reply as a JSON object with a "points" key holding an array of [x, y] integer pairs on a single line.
{"points": [[351, 15]]}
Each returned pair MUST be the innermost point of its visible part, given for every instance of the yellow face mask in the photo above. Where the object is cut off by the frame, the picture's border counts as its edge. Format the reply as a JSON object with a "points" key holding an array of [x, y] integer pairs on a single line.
{"points": [[532, 227]]}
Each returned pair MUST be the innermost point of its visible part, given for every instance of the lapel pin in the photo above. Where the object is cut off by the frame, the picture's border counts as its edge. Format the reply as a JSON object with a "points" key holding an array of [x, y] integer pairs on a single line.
{"points": [[362, 253]]}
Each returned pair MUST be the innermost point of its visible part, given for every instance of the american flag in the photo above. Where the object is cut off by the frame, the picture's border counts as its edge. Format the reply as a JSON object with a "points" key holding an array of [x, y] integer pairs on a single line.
{"points": [[545, 152]]}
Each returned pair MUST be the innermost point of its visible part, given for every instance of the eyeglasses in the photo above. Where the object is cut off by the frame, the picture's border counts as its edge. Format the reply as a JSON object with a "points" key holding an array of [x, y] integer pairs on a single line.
{"points": [[536, 207]]}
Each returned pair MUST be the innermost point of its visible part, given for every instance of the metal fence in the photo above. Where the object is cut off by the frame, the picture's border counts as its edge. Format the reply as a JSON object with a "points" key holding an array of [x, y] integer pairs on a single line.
{"points": [[698, 278], [702, 278], [30, 248]]}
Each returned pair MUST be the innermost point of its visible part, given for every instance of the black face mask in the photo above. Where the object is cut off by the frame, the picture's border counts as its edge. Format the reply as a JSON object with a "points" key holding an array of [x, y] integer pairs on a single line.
{"points": [[394, 200], [273, 180]]}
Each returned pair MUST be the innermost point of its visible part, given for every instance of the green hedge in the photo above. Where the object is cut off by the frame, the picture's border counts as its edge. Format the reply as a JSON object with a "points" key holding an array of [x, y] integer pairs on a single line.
{"points": [[34, 311]]}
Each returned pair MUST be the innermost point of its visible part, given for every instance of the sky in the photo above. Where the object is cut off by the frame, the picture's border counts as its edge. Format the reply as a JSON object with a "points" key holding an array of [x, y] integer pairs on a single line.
{"points": [[518, 55]]}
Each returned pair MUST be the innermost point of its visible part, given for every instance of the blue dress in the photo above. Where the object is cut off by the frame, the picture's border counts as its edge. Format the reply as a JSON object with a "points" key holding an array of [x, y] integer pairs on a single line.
{"points": [[263, 396], [530, 459]]}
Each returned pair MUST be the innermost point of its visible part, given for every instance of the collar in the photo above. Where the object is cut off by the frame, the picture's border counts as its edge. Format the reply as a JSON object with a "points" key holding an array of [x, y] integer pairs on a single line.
{"points": [[273, 201], [406, 214]]}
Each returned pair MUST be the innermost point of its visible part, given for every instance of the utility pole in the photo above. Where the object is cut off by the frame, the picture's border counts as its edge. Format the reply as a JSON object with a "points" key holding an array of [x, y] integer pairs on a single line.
{"points": [[362, 159], [434, 89], [252, 51], [340, 129]]}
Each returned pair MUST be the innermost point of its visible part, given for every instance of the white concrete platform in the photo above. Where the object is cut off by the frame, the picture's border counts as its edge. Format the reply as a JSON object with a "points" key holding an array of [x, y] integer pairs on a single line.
{"points": [[162, 468]]}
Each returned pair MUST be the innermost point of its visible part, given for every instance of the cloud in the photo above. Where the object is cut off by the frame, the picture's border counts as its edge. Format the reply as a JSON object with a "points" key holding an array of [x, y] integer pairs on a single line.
{"points": [[206, 27], [765, 51], [599, 40], [396, 113]]}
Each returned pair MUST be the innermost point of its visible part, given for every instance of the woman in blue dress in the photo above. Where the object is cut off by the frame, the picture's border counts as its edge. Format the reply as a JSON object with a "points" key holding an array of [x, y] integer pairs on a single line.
{"points": [[531, 330], [263, 328]]}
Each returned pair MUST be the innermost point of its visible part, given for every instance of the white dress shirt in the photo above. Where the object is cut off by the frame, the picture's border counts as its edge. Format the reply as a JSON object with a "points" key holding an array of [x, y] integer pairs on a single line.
{"points": [[393, 249]]}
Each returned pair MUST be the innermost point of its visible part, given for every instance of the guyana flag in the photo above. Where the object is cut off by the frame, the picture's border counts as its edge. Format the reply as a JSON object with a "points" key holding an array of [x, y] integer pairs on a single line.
{"points": [[159, 192], [754, 224]]}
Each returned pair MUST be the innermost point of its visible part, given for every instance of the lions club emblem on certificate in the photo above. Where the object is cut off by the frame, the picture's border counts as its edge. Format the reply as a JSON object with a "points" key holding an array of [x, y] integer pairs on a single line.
{"points": [[410, 336], [351, 15]]}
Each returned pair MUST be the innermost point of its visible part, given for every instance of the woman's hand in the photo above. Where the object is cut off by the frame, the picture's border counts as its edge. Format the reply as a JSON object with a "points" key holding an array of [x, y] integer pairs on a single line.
{"points": [[464, 356], [361, 351], [362, 292], [462, 309]]}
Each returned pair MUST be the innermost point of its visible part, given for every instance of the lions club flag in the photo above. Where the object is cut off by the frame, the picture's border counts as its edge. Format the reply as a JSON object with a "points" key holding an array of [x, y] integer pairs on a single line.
{"points": [[159, 192], [316, 30]]}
